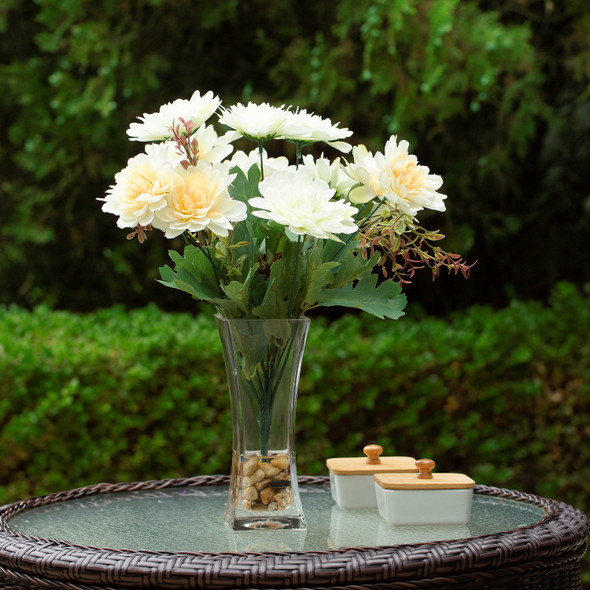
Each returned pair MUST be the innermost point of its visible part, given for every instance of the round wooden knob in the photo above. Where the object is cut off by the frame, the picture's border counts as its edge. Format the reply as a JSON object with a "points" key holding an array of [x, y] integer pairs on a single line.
{"points": [[373, 452], [425, 466]]}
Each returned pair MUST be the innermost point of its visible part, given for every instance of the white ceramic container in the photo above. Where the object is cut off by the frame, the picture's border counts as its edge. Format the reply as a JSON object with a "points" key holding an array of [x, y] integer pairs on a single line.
{"points": [[424, 498], [351, 478]]}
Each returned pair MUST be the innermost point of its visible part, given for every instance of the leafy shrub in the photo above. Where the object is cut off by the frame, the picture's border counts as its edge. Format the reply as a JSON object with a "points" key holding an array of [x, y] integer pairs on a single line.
{"points": [[117, 395]]}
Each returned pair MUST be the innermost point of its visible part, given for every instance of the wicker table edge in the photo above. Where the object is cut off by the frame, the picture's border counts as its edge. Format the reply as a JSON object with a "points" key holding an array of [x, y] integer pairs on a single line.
{"points": [[561, 533]]}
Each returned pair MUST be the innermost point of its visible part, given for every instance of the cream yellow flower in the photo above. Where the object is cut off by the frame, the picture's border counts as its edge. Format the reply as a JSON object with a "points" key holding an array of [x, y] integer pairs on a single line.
{"points": [[157, 126], [141, 188], [409, 186], [397, 176], [200, 200], [294, 198]]}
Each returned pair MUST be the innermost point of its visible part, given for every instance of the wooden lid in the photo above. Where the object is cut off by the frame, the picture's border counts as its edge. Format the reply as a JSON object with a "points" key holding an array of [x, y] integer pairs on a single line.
{"points": [[371, 464], [424, 479]]}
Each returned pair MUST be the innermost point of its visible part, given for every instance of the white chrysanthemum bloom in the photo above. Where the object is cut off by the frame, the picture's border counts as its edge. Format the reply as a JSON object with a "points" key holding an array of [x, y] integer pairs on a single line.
{"points": [[157, 126], [256, 121], [246, 161], [309, 128], [330, 171], [294, 198], [409, 186], [141, 188], [212, 147], [364, 171], [200, 200]]}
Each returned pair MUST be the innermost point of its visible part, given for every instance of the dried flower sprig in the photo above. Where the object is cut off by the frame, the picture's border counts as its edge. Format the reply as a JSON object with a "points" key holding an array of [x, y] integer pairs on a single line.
{"points": [[140, 232], [405, 246], [185, 146]]}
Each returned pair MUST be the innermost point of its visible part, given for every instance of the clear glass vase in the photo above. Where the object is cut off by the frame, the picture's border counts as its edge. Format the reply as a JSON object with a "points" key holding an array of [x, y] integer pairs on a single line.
{"points": [[263, 363]]}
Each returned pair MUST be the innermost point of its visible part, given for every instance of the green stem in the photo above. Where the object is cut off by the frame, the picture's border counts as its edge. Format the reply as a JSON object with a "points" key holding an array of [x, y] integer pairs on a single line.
{"points": [[381, 201], [296, 265], [261, 151], [273, 371], [298, 149], [265, 420], [350, 236], [255, 391], [285, 358], [264, 387], [266, 404], [264, 399]]}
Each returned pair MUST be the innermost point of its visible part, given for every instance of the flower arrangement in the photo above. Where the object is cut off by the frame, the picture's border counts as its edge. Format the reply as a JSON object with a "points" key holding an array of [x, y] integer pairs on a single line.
{"points": [[266, 238]]}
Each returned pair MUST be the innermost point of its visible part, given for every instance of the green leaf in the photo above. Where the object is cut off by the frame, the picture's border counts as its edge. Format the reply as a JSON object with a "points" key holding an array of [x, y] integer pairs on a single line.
{"points": [[353, 266], [170, 279], [275, 303], [250, 231], [243, 188], [227, 308], [274, 238], [254, 342], [238, 293], [258, 289], [318, 275], [383, 301], [247, 240], [193, 274]]}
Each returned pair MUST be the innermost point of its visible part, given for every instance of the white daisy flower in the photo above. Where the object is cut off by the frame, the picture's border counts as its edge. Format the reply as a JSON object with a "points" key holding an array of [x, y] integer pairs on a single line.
{"points": [[294, 198], [157, 126]]}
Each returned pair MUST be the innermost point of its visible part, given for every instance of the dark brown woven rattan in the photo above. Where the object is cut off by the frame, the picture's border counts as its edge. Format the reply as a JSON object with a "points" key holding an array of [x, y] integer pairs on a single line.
{"points": [[543, 556]]}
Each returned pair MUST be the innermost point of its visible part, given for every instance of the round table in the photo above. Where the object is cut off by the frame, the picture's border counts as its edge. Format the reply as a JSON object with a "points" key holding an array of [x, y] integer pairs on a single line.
{"points": [[170, 534]]}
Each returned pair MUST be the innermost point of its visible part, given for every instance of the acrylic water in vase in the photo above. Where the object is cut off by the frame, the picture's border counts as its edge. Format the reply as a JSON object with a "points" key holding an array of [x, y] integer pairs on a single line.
{"points": [[265, 241]]}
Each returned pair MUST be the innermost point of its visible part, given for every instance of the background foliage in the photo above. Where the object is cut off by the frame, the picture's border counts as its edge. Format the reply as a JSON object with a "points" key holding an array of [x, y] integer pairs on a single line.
{"points": [[116, 395], [493, 95]]}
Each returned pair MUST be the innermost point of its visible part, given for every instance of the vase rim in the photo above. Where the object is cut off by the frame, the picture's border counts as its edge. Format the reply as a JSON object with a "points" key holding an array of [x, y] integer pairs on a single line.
{"points": [[302, 318]]}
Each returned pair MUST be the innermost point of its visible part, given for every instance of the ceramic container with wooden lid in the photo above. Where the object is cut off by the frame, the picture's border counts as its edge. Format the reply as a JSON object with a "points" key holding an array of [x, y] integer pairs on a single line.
{"points": [[424, 498], [351, 478]]}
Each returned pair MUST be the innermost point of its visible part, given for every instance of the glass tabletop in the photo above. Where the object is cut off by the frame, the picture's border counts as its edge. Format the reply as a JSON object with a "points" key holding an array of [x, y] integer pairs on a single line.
{"points": [[191, 520]]}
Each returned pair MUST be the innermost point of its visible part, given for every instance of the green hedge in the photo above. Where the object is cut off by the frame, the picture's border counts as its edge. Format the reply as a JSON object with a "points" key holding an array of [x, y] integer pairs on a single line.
{"points": [[127, 395]]}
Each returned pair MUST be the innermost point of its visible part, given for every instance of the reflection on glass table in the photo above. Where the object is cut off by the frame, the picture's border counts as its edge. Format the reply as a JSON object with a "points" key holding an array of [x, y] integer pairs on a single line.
{"points": [[191, 520]]}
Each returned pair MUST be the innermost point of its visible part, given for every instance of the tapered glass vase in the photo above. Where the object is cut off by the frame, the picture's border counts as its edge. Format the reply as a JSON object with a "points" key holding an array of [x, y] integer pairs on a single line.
{"points": [[263, 364]]}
